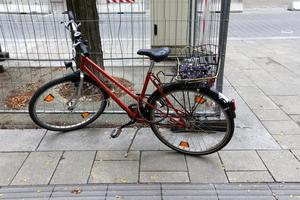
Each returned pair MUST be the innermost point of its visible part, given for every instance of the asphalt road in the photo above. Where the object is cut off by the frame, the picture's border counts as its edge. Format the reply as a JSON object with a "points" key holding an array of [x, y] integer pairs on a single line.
{"points": [[29, 27], [262, 24], [276, 24]]}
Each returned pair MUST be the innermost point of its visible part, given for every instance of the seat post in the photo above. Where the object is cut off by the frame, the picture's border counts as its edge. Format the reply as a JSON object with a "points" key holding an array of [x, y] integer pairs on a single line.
{"points": [[151, 65]]}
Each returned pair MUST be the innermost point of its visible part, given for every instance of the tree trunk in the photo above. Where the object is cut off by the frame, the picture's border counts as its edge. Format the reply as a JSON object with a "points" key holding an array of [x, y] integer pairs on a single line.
{"points": [[85, 11]]}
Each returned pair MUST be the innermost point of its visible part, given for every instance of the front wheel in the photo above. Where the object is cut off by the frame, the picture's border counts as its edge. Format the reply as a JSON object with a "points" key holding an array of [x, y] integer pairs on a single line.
{"points": [[191, 119], [56, 106]]}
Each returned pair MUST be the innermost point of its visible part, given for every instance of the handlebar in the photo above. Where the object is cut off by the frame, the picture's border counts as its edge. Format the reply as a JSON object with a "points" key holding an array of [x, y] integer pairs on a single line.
{"points": [[72, 26], [71, 15]]}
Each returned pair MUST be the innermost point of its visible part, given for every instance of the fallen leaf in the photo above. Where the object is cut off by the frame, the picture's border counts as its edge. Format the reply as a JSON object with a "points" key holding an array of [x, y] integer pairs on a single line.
{"points": [[123, 180], [76, 191], [117, 197]]}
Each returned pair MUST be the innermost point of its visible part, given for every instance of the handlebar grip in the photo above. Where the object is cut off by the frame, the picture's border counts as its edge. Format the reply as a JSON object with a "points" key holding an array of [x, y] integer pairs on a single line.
{"points": [[71, 15], [83, 49]]}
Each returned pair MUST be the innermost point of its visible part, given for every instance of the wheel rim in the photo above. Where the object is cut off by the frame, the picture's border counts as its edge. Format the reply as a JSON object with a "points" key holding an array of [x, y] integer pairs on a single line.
{"points": [[55, 108], [207, 125]]}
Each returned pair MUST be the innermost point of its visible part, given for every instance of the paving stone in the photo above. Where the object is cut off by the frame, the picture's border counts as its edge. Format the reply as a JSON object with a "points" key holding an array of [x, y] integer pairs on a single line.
{"points": [[288, 197], [20, 140], [240, 81], [207, 169], [22, 189], [282, 165], [288, 141], [82, 193], [259, 102], [37, 169], [162, 161], [134, 198], [255, 98], [296, 153], [252, 91], [86, 192], [287, 192], [242, 186], [78, 198], [99, 139], [74, 168], [275, 88], [139, 192], [127, 187], [290, 104], [114, 172], [83, 139], [164, 177], [128, 191], [10, 163], [282, 127], [249, 132], [296, 118], [249, 192], [88, 187], [271, 115], [284, 186], [146, 140], [190, 197], [189, 192], [26, 195], [117, 155], [189, 186], [221, 197], [241, 160], [249, 176]]}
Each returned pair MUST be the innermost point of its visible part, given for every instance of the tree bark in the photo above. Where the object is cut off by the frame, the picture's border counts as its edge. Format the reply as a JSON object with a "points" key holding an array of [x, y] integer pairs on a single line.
{"points": [[85, 11]]}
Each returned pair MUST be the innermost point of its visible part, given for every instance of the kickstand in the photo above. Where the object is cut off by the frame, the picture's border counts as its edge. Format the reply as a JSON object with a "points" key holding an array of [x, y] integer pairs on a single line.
{"points": [[137, 130]]}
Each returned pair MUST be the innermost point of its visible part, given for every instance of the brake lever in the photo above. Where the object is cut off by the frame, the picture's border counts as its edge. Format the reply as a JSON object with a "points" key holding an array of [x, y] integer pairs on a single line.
{"points": [[66, 25]]}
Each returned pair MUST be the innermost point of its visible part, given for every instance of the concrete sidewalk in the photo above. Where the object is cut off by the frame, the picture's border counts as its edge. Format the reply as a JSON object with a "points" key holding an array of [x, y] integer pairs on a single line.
{"points": [[263, 77], [38, 157], [155, 192]]}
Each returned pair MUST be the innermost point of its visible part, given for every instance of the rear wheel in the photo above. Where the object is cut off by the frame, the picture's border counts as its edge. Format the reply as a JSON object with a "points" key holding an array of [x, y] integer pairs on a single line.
{"points": [[190, 119], [56, 106]]}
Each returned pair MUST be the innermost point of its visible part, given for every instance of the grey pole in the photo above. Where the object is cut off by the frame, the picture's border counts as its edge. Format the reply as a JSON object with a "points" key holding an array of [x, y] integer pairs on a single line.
{"points": [[3, 57], [225, 11]]}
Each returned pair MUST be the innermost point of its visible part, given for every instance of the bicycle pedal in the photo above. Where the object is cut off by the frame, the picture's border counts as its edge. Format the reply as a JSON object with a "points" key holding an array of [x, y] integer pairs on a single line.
{"points": [[116, 133]]}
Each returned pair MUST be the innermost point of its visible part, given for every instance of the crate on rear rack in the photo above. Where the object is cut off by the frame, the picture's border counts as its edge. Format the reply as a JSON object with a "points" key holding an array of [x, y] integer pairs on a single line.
{"points": [[198, 63]]}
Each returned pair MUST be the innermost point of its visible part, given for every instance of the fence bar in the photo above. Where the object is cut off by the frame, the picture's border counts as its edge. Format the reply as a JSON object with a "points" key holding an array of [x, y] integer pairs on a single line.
{"points": [[225, 11]]}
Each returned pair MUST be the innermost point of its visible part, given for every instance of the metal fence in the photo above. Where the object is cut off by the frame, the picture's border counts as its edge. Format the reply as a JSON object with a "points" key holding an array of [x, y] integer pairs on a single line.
{"points": [[31, 31]]}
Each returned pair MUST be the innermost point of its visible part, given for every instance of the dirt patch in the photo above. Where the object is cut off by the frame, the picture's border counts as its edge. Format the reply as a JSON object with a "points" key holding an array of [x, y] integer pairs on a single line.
{"points": [[67, 90], [21, 96], [124, 82]]}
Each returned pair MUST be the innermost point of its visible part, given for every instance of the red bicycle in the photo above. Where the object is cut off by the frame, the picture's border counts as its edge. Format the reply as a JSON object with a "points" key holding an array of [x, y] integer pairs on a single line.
{"points": [[191, 118]]}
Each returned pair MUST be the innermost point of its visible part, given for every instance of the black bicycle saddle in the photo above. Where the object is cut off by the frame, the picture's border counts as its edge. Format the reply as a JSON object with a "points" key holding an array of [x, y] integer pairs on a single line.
{"points": [[157, 55]]}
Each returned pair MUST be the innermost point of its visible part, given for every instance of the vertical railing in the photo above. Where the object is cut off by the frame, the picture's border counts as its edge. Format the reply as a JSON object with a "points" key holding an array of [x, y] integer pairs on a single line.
{"points": [[225, 11]]}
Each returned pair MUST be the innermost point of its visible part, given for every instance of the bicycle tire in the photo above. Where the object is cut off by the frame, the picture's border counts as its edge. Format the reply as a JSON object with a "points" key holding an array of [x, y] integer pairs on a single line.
{"points": [[166, 132], [54, 114]]}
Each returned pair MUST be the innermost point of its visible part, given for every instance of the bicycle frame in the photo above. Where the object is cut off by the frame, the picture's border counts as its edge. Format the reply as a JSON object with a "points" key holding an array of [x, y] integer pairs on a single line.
{"points": [[149, 77]]}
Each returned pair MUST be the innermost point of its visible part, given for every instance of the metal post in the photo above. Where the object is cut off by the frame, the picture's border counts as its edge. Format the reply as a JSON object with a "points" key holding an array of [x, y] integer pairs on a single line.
{"points": [[224, 20], [3, 57]]}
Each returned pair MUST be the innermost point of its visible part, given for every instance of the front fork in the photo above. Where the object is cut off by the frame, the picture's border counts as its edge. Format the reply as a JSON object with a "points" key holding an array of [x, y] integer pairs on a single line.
{"points": [[72, 104]]}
